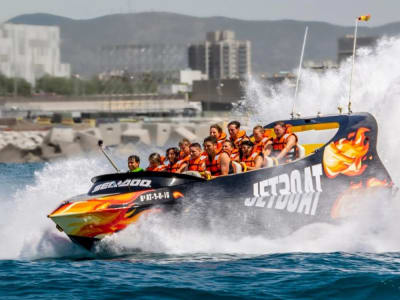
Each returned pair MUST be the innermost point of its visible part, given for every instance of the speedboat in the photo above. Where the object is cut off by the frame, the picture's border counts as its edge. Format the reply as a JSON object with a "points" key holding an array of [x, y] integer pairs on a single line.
{"points": [[339, 165]]}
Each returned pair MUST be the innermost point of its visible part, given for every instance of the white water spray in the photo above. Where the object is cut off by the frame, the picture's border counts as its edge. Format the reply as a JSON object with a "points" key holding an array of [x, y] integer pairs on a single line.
{"points": [[376, 89], [26, 232]]}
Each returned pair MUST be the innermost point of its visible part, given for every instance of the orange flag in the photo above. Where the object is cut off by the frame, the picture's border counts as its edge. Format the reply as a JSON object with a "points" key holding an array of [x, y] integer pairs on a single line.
{"points": [[364, 18]]}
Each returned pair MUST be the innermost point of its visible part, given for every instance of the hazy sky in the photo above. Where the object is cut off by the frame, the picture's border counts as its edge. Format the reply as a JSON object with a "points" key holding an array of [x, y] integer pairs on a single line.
{"points": [[341, 12]]}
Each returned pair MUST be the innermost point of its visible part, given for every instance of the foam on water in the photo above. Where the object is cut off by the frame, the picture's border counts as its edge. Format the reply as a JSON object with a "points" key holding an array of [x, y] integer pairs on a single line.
{"points": [[27, 233]]}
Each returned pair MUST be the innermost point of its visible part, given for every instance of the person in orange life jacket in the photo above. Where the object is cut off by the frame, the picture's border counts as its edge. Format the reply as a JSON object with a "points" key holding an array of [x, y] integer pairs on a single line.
{"points": [[197, 160], [261, 139], [155, 164], [134, 164], [284, 146], [234, 155], [219, 134], [216, 164], [235, 134], [163, 159], [184, 152], [233, 152], [175, 165], [262, 143], [250, 158]]}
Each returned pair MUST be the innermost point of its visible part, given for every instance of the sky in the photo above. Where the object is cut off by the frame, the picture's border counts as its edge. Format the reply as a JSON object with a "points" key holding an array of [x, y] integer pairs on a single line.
{"points": [[340, 12]]}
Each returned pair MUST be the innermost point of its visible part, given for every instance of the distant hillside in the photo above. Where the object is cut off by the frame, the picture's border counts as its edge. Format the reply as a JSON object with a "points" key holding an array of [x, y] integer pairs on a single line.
{"points": [[276, 44]]}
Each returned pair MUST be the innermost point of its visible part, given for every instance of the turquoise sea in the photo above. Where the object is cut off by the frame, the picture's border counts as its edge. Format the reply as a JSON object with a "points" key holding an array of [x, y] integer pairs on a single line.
{"points": [[38, 262]]}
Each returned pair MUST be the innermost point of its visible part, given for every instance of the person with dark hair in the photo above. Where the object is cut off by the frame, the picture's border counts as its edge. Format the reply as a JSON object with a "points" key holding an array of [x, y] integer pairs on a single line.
{"points": [[235, 134], [155, 164], [284, 146], [219, 134], [197, 160], [134, 164], [216, 164], [175, 165], [250, 159]]}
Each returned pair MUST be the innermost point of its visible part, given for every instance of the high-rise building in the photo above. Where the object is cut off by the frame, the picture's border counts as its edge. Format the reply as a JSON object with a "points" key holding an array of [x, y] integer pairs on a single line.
{"points": [[30, 52], [346, 44], [221, 56]]}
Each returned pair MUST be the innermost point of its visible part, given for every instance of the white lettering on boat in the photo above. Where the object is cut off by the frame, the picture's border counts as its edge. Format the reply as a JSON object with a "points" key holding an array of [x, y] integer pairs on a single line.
{"points": [[292, 192], [152, 196], [125, 183]]}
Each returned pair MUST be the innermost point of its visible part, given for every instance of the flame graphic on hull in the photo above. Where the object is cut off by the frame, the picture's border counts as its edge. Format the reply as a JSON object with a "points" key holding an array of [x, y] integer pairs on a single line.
{"points": [[375, 182], [98, 217], [345, 156], [348, 201]]}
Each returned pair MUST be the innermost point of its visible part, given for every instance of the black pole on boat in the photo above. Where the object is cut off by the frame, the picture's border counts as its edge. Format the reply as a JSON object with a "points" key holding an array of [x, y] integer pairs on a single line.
{"points": [[100, 143]]}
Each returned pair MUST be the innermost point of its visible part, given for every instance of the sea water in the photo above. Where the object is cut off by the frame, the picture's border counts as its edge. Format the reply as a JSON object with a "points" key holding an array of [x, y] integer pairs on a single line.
{"points": [[358, 259]]}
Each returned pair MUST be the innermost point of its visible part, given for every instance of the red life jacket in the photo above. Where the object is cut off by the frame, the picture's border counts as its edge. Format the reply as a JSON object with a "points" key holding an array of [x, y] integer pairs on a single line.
{"points": [[198, 164], [279, 144]]}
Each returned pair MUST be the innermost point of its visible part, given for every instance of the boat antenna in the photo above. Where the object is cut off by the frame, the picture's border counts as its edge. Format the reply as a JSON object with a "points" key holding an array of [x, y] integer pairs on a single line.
{"points": [[299, 73], [100, 143], [361, 18]]}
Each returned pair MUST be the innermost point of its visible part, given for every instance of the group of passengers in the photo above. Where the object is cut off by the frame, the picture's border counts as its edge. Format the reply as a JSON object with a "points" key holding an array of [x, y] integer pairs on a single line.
{"points": [[222, 155]]}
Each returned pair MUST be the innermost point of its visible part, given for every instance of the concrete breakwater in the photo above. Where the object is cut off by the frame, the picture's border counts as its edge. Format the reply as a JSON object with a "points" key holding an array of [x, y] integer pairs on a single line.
{"points": [[60, 142]]}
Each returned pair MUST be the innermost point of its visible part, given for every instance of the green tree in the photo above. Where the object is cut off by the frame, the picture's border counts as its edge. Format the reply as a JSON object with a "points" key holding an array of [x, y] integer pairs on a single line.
{"points": [[8, 86]]}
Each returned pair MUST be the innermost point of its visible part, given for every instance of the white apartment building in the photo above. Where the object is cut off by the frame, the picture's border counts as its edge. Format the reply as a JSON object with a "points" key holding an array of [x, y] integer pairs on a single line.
{"points": [[30, 51]]}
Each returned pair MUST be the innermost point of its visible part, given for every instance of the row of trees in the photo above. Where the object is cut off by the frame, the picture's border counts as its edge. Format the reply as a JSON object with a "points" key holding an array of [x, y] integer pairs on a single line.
{"points": [[14, 86], [126, 84]]}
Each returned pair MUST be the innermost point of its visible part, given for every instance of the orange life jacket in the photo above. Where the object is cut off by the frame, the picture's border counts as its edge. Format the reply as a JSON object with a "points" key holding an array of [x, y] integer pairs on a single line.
{"points": [[186, 158], [214, 166], [163, 158], [159, 168], [198, 164], [278, 144], [220, 142], [234, 155], [251, 160], [259, 147], [173, 168], [182, 155], [239, 137]]}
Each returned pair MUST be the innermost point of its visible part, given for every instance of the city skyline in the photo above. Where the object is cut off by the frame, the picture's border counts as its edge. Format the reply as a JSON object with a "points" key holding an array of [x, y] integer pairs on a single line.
{"points": [[340, 12]]}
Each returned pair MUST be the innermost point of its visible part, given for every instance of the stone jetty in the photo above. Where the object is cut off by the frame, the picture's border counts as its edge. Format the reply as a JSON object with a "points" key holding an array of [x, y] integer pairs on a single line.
{"points": [[19, 145]]}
